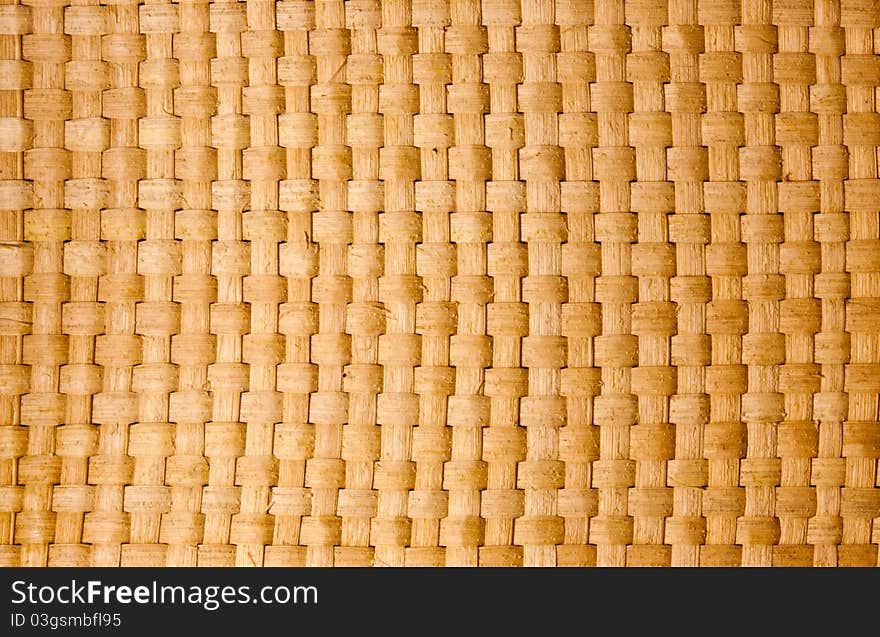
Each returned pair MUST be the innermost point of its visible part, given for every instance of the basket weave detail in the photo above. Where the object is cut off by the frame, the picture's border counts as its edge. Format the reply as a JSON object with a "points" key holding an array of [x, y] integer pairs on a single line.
{"points": [[439, 282]]}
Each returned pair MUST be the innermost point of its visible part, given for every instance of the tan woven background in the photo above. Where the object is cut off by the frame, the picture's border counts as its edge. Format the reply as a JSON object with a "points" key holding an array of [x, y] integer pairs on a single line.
{"points": [[439, 282]]}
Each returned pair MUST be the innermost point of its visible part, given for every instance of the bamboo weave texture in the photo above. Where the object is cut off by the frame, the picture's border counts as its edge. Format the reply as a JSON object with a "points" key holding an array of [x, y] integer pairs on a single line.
{"points": [[439, 282]]}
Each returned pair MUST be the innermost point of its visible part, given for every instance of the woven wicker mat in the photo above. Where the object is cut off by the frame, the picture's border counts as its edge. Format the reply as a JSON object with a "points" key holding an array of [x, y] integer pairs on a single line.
{"points": [[439, 282]]}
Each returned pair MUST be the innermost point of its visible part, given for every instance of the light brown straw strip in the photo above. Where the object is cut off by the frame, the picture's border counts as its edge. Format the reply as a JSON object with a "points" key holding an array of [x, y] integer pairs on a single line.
{"points": [[439, 282]]}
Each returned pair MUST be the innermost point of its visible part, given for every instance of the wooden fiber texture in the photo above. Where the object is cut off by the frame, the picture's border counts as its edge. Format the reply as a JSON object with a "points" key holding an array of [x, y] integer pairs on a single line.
{"points": [[439, 282]]}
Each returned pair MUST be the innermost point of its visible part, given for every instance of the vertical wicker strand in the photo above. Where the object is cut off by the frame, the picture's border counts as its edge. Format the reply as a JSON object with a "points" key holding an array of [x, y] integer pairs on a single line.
{"points": [[297, 320], [711, 318], [506, 382], [157, 318], [794, 69], [400, 288], [654, 262], [118, 350], [364, 316], [263, 227], [48, 165], [859, 498], [436, 315], [331, 288], [578, 501], [87, 135], [687, 167], [763, 287], [616, 350], [195, 225], [470, 227], [228, 377], [827, 100], [16, 195], [543, 230]]}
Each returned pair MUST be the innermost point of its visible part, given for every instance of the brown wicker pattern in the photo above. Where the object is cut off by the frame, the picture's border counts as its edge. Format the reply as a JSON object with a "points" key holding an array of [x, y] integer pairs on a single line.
{"points": [[439, 282]]}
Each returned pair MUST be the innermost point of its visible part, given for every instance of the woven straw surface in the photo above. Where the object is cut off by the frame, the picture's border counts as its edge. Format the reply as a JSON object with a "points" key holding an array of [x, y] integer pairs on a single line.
{"points": [[439, 282]]}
